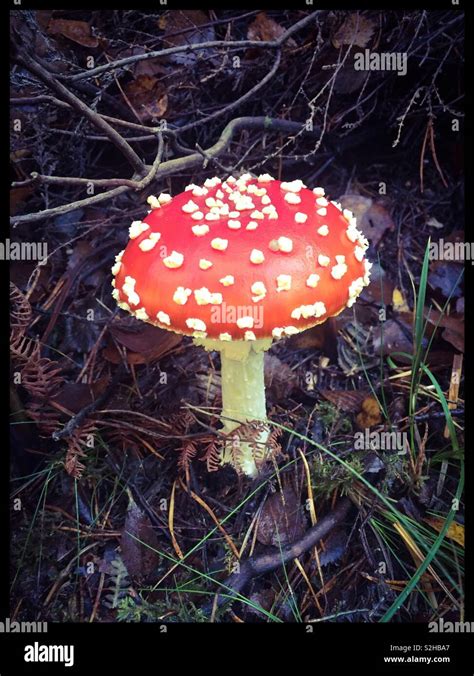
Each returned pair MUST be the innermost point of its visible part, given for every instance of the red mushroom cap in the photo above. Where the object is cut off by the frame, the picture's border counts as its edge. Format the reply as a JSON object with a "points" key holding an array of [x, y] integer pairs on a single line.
{"points": [[242, 259]]}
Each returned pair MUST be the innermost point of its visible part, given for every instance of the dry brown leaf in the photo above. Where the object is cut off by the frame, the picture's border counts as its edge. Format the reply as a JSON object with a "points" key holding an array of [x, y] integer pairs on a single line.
{"points": [[138, 543], [175, 22], [453, 327], [356, 31], [372, 217], [143, 342], [446, 276], [280, 380], [281, 519], [186, 27], [77, 31], [349, 80], [311, 338], [18, 196], [320, 337], [267, 29], [347, 400], [148, 97], [390, 336], [380, 289], [75, 396]]}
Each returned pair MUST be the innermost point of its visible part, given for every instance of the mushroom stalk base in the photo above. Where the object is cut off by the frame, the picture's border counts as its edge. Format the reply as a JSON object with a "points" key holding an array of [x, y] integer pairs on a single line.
{"points": [[243, 399]]}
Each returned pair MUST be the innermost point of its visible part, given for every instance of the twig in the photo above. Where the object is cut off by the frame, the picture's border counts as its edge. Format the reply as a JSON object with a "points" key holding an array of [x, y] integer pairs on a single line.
{"points": [[234, 44], [70, 206], [45, 76], [77, 419], [238, 102], [175, 165], [273, 558]]}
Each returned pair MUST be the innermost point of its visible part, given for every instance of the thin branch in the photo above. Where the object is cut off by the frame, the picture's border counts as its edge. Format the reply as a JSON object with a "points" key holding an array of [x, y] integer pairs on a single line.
{"points": [[150, 136], [238, 102], [232, 45], [97, 182], [274, 557], [179, 164], [45, 76]]}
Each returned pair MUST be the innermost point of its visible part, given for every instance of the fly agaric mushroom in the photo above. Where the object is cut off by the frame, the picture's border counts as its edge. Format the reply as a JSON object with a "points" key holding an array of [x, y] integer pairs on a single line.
{"points": [[236, 264]]}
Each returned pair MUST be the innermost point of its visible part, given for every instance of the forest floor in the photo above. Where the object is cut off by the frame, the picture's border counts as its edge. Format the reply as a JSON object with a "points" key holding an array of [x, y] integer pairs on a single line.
{"points": [[120, 510]]}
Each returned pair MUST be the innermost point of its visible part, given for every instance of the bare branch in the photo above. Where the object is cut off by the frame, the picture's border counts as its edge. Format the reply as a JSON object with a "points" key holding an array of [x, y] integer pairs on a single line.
{"points": [[238, 102], [98, 182], [230, 45], [174, 165], [273, 557], [45, 76]]}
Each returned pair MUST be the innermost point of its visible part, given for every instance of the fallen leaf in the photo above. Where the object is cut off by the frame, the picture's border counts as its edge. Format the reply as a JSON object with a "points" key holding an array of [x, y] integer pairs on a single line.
{"points": [[452, 325], [376, 222], [455, 531], [66, 224], [356, 30], [265, 28], [187, 27], [372, 462], [280, 380], [138, 542], [321, 337], [349, 80], [144, 343], [145, 66], [445, 276], [77, 31], [381, 287], [43, 17], [372, 217], [76, 396], [20, 273], [390, 337], [347, 400], [281, 519], [148, 97], [334, 547], [398, 301], [265, 598], [18, 196]]}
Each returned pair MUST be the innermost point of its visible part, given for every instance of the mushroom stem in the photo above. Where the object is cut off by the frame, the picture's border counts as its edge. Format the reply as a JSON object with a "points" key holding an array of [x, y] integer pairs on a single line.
{"points": [[243, 398]]}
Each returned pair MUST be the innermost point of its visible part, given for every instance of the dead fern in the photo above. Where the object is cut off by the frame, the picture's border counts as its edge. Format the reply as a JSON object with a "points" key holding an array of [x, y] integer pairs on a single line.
{"points": [[251, 433], [41, 378], [22, 348], [182, 422], [187, 453], [45, 417], [20, 310], [78, 442], [119, 583], [212, 455]]}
